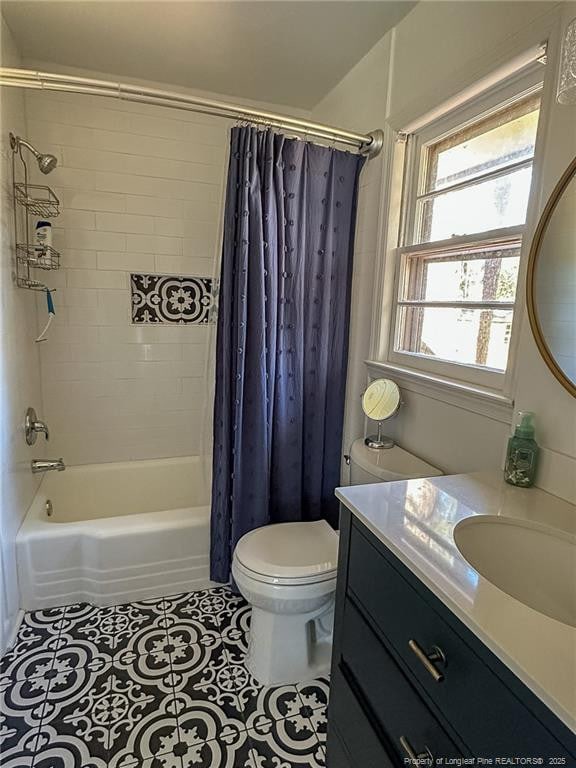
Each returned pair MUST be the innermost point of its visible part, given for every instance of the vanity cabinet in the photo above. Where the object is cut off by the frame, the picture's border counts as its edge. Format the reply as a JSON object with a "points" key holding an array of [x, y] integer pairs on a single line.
{"points": [[409, 680]]}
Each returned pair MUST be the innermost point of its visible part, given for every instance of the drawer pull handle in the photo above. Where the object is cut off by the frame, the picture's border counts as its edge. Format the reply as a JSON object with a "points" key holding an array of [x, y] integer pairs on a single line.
{"points": [[429, 660], [425, 757]]}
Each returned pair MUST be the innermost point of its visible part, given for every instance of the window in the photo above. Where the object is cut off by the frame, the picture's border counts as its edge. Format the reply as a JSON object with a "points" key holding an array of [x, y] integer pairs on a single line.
{"points": [[465, 203]]}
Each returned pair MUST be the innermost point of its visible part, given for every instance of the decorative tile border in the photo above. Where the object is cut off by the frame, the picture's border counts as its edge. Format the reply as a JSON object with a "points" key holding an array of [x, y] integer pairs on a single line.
{"points": [[171, 299]]}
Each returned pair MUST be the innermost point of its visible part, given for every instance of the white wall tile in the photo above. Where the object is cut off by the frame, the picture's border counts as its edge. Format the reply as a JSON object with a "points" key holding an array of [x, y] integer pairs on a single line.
{"points": [[110, 300], [72, 371], [124, 222], [156, 206], [145, 185], [89, 240], [154, 244], [202, 210], [78, 199], [124, 142], [184, 265], [96, 278], [71, 219], [76, 297], [68, 334], [72, 177], [141, 190], [142, 165], [126, 262], [98, 316], [76, 259]]}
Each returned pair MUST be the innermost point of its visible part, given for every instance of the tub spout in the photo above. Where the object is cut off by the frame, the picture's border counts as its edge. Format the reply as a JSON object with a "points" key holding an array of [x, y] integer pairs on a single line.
{"points": [[47, 465]]}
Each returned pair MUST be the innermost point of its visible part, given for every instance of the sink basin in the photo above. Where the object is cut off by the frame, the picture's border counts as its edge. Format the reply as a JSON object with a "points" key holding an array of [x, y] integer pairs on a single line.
{"points": [[533, 564]]}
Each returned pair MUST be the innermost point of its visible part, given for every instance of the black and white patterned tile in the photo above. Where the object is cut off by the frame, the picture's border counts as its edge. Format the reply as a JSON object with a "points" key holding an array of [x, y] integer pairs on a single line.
{"points": [[288, 742], [208, 607], [142, 721], [36, 642], [77, 709], [314, 693], [232, 750], [170, 299], [91, 628], [153, 684]]}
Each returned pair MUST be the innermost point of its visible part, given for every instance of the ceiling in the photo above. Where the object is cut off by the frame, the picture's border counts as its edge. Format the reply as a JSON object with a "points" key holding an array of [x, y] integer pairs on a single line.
{"points": [[289, 53]]}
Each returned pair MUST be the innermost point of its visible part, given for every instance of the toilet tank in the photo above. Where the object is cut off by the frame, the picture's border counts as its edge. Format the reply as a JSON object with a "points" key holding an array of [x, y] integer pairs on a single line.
{"points": [[382, 465]]}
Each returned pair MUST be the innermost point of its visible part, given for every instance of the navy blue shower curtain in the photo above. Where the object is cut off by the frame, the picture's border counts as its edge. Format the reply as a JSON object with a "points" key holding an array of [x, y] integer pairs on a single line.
{"points": [[282, 342]]}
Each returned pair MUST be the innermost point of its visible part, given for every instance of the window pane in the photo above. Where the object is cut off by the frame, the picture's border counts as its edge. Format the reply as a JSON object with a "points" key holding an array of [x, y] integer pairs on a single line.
{"points": [[490, 274], [505, 138], [469, 336], [492, 204]]}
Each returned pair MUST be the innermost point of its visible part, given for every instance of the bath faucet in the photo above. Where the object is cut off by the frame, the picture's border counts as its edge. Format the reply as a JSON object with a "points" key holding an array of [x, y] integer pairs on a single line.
{"points": [[47, 465]]}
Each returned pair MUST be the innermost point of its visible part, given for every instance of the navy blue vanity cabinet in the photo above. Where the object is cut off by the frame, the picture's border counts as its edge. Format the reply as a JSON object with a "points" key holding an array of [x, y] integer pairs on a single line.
{"points": [[409, 680]]}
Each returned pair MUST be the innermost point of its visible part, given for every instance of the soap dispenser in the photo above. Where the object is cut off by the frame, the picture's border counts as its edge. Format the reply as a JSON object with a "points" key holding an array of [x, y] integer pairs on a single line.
{"points": [[522, 453]]}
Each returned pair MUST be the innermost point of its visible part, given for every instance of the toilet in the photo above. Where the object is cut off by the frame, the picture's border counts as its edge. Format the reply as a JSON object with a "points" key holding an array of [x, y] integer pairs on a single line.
{"points": [[385, 465], [287, 572]]}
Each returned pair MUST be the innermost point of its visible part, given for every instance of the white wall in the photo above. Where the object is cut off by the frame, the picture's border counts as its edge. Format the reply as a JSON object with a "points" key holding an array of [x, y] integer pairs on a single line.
{"points": [[19, 363], [142, 190], [536, 388], [359, 103], [437, 50], [438, 45]]}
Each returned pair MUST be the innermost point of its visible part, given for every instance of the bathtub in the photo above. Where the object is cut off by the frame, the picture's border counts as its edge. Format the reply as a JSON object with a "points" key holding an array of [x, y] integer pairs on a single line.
{"points": [[117, 533]]}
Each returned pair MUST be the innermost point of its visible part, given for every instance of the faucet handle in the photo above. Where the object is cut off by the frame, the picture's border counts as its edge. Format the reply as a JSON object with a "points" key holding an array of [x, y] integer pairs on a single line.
{"points": [[32, 426]]}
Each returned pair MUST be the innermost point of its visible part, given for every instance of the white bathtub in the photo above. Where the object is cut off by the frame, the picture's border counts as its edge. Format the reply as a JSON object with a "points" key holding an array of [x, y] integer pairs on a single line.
{"points": [[118, 533]]}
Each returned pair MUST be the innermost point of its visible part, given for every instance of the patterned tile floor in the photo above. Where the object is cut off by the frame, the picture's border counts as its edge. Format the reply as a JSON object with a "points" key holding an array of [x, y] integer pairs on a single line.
{"points": [[155, 684]]}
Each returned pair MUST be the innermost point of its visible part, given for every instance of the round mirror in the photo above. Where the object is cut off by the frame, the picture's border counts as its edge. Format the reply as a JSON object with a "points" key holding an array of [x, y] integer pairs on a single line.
{"points": [[380, 401], [551, 282]]}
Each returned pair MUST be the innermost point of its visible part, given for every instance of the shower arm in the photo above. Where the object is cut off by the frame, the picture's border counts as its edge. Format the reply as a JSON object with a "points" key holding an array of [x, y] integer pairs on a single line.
{"points": [[17, 143]]}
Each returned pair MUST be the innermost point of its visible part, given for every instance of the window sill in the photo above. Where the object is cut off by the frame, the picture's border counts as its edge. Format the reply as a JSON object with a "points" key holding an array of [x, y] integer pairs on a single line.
{"points": [[484, 402]]}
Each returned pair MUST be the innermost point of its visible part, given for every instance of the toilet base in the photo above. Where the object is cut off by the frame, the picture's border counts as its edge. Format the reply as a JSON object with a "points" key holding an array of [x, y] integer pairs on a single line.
{"points": [[290, 648]]}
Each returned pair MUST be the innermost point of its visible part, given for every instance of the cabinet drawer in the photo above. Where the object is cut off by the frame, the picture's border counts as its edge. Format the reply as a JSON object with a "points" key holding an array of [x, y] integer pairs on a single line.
{"points": [[359, 743], [480, 708], [399, 708]]}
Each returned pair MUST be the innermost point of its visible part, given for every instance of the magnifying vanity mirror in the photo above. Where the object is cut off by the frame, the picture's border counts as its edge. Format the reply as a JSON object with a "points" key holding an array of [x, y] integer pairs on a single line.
{"points": [[551, 281], [380, 402]]}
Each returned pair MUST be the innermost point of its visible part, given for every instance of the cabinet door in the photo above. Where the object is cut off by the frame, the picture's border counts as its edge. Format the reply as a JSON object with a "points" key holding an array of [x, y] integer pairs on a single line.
{"points": [[356, 743], [336, 754]]}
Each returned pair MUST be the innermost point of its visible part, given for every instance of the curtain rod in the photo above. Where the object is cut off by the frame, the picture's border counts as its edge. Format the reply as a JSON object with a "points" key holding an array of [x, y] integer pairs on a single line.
{"points": [[369, 144]]}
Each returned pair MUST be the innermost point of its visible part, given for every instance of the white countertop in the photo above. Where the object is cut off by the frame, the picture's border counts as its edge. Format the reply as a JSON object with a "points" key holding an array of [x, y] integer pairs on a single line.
{"points": [[415, 519]]}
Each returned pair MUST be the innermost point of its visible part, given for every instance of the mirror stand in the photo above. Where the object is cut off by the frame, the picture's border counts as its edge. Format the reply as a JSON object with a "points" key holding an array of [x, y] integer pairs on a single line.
{"points": [[379, 440]]}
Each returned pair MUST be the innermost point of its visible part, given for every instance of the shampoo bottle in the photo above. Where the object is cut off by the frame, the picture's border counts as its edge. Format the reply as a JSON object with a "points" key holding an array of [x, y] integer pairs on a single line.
{"points": [[42, 236], [522, 453]]}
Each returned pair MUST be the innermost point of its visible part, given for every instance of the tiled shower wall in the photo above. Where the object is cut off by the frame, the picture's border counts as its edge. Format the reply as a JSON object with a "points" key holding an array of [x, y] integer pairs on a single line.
{"points": [[142, 191], [19, 361]]}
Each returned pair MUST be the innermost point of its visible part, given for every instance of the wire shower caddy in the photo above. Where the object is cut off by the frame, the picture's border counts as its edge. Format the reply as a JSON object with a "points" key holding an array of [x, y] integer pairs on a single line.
{"points": [[40, 201]]}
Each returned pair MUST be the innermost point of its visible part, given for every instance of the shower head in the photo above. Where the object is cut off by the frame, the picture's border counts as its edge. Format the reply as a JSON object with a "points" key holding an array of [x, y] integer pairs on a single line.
{"points": [[46, 163]]}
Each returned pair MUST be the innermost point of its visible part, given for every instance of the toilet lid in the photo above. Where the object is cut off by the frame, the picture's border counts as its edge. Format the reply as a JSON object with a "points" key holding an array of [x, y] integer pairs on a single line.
{"points": [[290, 550]]}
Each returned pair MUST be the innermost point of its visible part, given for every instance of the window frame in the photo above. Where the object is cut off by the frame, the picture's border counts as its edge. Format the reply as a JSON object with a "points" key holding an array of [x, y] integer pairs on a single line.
{"points": [[516, 88]]}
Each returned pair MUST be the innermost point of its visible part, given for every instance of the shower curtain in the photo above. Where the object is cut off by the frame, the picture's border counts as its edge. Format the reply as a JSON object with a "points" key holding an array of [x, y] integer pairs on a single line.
{"points": [[282, 337]]}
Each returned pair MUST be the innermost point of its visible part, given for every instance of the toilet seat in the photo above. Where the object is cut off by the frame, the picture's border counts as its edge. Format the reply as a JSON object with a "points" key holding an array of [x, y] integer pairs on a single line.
{"points": [[289, 553], [284, 580]]}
